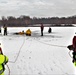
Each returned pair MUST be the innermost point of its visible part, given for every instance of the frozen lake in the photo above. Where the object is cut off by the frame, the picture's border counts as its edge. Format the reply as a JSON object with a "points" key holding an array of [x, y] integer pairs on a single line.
{"points": [[36, 55]]}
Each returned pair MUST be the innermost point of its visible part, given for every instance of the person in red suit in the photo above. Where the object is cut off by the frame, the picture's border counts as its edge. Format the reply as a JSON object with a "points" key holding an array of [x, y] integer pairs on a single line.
{"points": [[74, 43], [74, 48], [42, 28]]}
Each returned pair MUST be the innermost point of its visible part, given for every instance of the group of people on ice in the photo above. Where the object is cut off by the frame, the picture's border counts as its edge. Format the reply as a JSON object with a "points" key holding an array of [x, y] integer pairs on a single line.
{"points": [[42, 28], [4, 58], [28, 32]]}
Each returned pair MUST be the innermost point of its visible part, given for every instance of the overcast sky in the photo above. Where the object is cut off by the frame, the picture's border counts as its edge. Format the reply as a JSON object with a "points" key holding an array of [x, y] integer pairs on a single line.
{"points": [[38, 8]]}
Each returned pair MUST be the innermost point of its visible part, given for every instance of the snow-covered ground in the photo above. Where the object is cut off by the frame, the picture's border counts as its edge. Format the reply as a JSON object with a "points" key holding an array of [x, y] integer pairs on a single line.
{"points": [[36, 55]]}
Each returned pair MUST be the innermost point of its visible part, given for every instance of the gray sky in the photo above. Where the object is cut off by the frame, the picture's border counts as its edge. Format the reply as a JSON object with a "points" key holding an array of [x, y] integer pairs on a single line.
{"points": [[38, 8]]}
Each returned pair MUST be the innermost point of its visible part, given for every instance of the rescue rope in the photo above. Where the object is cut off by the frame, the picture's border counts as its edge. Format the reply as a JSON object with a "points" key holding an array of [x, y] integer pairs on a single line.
{"points": [[16, 57], [50, 44], [55, 45], [18, 51], [8, 69], [69, 54]]}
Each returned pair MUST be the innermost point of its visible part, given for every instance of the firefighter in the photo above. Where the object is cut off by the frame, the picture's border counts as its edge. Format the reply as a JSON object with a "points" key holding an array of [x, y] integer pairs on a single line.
{"points": [[5, 30], [28, 32], [3, 61]]}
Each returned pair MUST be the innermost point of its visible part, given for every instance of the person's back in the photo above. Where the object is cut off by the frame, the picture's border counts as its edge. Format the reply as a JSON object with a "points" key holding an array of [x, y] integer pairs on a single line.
{"points": [[42, 27], [3, 61], [28, 32], [49, 31], [74, 43]]}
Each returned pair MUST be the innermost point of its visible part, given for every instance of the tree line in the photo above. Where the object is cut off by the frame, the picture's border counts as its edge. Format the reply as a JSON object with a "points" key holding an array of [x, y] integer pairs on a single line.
{"points": [[24, 21]]}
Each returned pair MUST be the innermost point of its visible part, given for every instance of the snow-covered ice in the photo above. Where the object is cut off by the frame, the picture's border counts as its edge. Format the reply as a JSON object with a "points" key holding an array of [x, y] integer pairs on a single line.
{"points": [[38, 55]]}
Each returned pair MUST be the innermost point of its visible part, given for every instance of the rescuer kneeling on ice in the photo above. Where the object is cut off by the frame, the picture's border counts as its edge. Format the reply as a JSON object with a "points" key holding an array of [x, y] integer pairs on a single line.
{"points": [[28, 32]]}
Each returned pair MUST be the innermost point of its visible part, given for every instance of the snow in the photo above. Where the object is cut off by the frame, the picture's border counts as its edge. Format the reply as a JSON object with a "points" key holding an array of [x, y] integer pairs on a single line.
{"points": [[38, 55]]}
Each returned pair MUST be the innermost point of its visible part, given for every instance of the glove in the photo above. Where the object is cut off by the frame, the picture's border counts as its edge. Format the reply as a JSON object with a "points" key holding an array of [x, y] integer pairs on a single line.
{"points": [[70, 47]]}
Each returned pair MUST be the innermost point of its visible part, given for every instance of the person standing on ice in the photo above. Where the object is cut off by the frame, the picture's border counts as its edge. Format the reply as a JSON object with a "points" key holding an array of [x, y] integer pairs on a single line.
{"points": [[74, 48], [3, 61], [42, 28], [5, 29], [49, 30]]}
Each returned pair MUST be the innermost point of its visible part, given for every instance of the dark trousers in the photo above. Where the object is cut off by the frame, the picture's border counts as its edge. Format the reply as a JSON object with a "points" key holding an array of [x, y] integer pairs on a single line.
{"points": [[41, 32], [74, 56], [0, 30], [5, 32]]}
